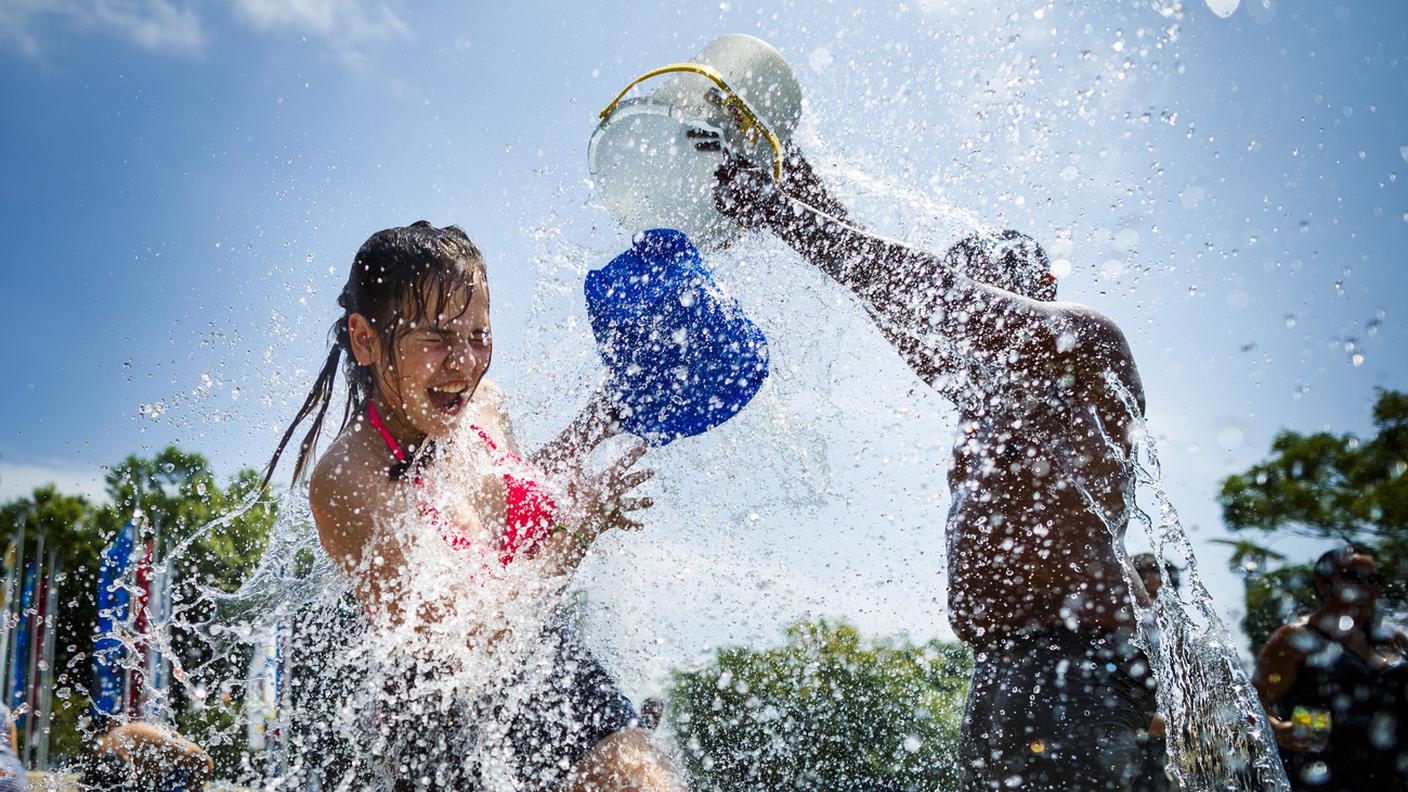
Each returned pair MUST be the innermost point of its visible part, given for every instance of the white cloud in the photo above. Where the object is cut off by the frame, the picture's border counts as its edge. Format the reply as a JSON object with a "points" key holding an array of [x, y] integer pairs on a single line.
{"points": [[345, 25], [174, 27], [18, 480], [157, 25]]}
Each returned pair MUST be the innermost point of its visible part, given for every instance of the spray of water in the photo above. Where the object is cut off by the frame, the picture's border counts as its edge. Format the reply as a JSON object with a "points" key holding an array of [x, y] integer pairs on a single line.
{"points": [[1218, 735]]}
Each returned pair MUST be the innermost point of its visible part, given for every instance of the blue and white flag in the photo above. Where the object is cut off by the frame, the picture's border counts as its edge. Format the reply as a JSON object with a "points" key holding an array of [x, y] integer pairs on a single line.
{"points": [[113, 609], [19, 676]]}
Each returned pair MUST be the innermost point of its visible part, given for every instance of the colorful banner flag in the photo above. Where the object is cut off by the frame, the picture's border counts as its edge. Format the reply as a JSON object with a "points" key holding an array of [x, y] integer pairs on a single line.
{"points": [[114, 609], [19, 674], [141, 627]]}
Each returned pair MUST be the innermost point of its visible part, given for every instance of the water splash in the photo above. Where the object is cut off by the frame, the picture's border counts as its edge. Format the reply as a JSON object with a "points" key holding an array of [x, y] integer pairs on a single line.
{"points": [[1218, 734]]}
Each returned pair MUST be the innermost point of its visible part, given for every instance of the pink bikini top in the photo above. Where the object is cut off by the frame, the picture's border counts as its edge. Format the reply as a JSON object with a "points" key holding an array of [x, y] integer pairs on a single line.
{"points": [[531, 512]]}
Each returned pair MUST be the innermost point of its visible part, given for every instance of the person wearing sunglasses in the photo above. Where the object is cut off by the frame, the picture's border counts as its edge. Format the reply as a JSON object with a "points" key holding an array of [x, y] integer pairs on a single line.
{"points": [[1333, 683]]}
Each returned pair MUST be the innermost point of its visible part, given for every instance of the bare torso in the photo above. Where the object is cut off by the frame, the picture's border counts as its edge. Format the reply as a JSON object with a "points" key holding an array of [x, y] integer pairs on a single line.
{"points": [[1038, 499]]}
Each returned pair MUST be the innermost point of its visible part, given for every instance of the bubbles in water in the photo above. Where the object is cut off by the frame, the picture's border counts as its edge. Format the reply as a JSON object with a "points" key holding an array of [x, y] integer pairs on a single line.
{"points": [[153, 410], [819, 59]]}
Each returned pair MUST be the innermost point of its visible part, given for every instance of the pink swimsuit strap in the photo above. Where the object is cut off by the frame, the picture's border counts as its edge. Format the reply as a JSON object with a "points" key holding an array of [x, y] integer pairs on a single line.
{"points": [[376, 423], [531, 512]]}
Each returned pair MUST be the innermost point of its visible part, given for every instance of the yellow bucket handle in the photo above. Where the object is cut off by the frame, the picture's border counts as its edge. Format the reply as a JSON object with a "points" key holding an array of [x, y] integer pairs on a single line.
{"points": [[747, 120]]}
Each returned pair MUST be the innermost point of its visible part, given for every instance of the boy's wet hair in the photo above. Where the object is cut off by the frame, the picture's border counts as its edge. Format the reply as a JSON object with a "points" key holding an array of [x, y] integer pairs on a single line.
{"points": [[399, 277], [1008, 260]]}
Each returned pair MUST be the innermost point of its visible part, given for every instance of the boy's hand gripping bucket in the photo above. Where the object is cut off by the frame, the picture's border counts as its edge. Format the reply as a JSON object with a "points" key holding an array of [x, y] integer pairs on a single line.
{"points": [[653, 157]]}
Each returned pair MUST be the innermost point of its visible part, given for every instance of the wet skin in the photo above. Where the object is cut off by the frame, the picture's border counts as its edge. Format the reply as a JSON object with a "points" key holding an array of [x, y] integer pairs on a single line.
{"points": [[1040, 473], [438, 381]]}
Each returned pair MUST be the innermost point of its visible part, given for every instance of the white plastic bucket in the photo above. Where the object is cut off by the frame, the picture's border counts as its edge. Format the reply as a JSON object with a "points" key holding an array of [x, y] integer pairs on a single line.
{"points": [[646, 164]]}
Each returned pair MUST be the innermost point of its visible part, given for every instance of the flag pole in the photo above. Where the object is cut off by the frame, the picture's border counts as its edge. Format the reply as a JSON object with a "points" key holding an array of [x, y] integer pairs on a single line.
{"points": [[11, 555], [36, 635], [12, 659], [152, 661]]}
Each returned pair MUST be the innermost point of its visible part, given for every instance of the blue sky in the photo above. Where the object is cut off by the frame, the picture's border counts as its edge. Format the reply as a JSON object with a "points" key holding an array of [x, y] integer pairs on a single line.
{"points": [[187, 182]]}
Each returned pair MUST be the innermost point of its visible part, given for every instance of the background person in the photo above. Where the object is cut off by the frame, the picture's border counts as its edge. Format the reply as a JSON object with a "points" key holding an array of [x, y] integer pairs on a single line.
{"points": [[144, 757], [1333, 684], [1046, 393]]}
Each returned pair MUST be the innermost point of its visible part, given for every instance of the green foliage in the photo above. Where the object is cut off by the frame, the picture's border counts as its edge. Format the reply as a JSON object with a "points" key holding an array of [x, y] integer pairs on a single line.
{"points": [[66, 522], [1275, 598], [1327, 486], [219, 729], [826, 711], [176, 495]]}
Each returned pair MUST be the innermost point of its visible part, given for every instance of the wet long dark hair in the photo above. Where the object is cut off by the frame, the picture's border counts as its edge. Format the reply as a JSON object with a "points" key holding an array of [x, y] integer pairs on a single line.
{"points": [[398, 277]]}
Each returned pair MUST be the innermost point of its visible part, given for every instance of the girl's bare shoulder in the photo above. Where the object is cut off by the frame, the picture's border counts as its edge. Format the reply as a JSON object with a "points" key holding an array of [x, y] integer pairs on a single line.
{"points": [[349, 479]]}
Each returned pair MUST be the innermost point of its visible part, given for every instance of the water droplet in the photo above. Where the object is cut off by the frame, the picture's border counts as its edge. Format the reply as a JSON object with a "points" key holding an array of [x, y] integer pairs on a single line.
{"points": [[1304, 226], [819, 59], [1193, 290], [912, 744], [1290, 321], [1231, 437], [1125, 240], [1223, 8], [234, 394]]}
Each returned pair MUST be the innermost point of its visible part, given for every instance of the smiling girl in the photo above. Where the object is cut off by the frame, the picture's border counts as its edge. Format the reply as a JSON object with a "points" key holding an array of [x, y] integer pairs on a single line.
{"points": [[415, 330]]}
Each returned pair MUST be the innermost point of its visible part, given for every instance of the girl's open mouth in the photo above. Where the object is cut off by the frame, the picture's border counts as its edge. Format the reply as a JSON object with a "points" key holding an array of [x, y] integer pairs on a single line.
{"points": [[449, 398]]}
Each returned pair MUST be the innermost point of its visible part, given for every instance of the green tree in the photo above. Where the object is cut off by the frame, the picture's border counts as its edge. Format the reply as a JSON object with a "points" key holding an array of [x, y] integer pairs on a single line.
{"points": [[174, 493], [212, 536], [1326, 486], [828, 710], [66, 522]]}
